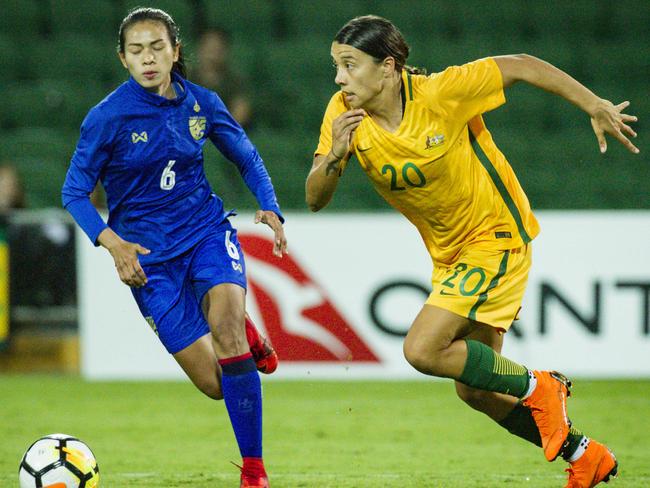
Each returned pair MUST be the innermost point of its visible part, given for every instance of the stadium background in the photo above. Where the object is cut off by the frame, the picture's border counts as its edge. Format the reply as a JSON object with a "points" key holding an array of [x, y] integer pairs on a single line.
{"points": [[57, 59]]}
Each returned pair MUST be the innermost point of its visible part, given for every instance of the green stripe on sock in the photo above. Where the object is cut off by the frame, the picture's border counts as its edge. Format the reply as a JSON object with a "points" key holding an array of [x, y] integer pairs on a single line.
{"points": [[486, 369], [504, 366]]}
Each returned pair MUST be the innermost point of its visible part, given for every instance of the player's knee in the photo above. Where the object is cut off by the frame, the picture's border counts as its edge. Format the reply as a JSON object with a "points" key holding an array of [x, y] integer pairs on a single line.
{"points": [[421, 358], [229, 332]]}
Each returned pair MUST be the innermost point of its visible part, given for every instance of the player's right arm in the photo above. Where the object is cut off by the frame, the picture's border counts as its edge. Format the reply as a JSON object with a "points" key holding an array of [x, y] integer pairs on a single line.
{"points": [[327, 165], [90, 157]]}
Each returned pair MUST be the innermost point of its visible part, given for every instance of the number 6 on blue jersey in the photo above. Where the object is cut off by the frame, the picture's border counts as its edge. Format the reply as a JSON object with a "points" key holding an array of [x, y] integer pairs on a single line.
{"points": [[168, 177]]}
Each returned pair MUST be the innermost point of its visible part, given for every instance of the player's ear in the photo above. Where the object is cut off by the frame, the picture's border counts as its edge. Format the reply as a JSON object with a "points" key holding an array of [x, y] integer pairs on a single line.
{"points": [[389, 66], [122, 59]]}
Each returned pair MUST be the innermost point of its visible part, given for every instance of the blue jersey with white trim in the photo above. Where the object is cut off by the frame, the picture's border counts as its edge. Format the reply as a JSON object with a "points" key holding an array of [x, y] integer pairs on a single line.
{"points": [[147, 151]]}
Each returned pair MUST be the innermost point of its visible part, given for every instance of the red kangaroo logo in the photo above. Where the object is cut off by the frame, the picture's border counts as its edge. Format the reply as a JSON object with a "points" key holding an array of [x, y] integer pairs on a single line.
{"points": [[300, 320]]}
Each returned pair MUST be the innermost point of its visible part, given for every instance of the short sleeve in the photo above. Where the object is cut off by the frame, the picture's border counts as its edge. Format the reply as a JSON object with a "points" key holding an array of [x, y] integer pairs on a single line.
{"points": [[335, 107], [467, 90]]}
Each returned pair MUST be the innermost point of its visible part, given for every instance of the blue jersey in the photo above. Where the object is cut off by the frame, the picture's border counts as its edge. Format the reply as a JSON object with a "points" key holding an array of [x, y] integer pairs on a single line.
{"points": [[147, 151]]}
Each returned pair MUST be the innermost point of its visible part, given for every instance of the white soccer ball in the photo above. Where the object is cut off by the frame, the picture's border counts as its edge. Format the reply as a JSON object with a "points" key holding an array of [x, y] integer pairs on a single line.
{"points": [[58, 461]]}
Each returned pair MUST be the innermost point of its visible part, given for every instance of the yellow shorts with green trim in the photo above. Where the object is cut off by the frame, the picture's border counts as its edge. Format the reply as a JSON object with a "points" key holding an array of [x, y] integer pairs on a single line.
{"points": [[483, 285]]}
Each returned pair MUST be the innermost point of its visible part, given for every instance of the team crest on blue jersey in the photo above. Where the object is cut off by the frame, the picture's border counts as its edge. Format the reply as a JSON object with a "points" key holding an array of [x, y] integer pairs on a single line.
{"points": [[141, 137], [436, 140], [197, 127]]}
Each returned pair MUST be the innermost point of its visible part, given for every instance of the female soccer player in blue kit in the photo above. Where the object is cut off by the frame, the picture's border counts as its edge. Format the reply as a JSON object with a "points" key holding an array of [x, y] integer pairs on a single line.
{"points": [[167, 231]]}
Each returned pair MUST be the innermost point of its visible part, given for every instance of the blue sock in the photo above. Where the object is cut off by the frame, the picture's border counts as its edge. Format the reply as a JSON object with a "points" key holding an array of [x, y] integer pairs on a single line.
{"points": [[242, 392]]}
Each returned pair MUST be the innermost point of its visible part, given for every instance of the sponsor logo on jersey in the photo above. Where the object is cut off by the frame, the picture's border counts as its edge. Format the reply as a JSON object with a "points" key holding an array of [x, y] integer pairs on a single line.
{"points": [[197, 127], [141, 137], [302, 322], [434, 141]]}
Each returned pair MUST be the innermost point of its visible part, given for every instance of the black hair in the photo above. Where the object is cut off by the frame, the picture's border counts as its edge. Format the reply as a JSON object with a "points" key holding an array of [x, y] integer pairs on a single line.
{"points": [[141, 14], [379, 38]]}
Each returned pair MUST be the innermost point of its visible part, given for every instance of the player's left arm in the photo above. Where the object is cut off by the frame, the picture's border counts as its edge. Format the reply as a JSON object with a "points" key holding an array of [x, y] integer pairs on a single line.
{"points": [[605, 116], [228, 136]]}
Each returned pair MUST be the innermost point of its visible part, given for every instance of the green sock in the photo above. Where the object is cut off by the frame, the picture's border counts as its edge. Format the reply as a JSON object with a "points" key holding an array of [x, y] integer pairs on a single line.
{"points": [[520, 422], [572, 443], [486, 369]]}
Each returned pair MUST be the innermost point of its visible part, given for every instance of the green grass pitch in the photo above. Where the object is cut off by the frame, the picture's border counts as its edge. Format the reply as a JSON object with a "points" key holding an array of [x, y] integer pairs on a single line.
{"points": [[317, 434]]}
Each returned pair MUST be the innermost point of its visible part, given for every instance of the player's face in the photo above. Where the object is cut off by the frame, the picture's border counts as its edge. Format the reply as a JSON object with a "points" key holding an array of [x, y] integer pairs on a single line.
{"points": [[358, 74], [149, 54]]}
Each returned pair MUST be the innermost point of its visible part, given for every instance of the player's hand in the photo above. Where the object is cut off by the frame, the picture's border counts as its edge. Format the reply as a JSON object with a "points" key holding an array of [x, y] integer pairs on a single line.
{"points": [[609, 118], [271, 219], [343, 129], [128, 266], [125, 254]]}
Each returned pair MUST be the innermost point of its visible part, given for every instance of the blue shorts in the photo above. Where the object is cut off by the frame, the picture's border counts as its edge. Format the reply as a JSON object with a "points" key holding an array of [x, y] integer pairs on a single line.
{"points": [[171, 300]]}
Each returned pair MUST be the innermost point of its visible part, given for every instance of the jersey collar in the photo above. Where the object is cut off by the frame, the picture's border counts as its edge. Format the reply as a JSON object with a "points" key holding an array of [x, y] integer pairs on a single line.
{"points": [[407, 85], [153, 98]]}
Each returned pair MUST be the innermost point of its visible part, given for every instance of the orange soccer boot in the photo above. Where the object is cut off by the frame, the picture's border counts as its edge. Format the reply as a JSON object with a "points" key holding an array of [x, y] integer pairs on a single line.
{"points": [[263, 353], [596, 464], [547, 404]]}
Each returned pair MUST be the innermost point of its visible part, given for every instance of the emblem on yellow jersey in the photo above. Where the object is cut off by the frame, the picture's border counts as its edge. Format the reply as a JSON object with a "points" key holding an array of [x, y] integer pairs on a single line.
{"points": [[197, 108], [141, 137], [197, 127], [434, 141]]}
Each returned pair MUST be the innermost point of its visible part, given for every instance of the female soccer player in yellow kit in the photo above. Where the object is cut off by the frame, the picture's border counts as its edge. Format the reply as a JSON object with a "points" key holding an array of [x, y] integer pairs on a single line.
{"points": [[423, 143]]}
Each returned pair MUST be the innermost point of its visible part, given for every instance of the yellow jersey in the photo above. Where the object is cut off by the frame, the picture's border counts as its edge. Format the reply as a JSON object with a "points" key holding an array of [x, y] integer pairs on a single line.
{"points": [[441, 168]]}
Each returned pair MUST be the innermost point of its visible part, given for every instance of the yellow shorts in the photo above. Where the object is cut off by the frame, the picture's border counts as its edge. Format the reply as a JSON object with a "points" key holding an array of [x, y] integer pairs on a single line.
{"points": [[483, 285]]}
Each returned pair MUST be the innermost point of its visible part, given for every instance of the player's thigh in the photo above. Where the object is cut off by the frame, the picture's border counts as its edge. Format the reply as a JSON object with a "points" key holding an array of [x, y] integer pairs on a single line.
{"points": [[217, 259], [430, 346], [218, 274], [225, 306], [435, 328], [199, 361]]}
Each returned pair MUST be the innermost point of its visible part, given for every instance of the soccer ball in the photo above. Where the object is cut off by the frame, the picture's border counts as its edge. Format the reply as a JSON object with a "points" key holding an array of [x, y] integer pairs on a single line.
{"points": [[58, 461]]}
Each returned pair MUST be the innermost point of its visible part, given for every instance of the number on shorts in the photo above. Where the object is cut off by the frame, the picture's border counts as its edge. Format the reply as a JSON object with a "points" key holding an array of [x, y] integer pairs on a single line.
{"points": [[477, 286], [462, 286], [449, 282], [233, 252]]}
